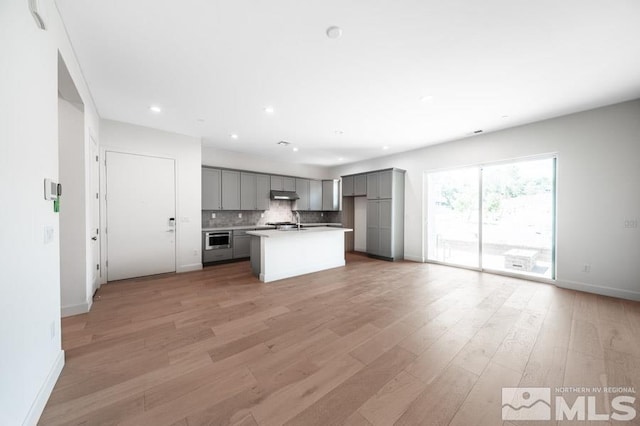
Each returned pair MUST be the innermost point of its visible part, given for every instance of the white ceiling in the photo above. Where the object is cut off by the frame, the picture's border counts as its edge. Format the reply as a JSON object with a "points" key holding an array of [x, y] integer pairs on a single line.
{"points": [[225, 61]]}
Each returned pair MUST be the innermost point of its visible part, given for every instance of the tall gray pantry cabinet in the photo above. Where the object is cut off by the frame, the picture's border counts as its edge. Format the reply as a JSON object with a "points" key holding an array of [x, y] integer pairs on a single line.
{"points": [[385, 213]]}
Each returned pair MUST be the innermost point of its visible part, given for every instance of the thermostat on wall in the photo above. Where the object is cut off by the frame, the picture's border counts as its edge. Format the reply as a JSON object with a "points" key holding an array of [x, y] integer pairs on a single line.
{"points": [[52, 190]]}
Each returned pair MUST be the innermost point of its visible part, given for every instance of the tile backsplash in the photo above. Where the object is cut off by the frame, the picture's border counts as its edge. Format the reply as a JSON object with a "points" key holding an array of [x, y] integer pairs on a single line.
{"points": [[280, 211]]}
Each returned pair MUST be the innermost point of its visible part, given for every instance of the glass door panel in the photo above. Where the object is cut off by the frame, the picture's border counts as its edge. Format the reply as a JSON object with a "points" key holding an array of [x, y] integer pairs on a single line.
{"points": [[453, 217], [518, 205]]}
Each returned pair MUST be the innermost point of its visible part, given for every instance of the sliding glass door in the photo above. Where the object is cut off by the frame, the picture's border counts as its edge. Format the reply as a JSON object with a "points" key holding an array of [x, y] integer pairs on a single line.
{"points": [[454, 203], [496, 217]]}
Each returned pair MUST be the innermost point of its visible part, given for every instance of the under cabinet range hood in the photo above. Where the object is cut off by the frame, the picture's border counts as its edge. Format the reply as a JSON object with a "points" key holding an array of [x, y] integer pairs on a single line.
{"points": [[284, 195]]}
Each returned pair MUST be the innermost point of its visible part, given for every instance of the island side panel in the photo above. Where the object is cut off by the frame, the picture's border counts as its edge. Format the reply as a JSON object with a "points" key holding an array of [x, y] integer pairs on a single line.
{"points": [[300, 254]]}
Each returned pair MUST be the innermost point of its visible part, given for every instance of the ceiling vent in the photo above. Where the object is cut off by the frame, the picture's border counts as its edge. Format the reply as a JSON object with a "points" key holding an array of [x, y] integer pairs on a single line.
{"points": [[33, 7]]}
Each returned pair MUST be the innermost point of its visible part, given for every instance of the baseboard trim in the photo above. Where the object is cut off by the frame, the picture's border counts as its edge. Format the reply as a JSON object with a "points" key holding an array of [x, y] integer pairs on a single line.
{"points": [[410, 258], [82, 308], [189, 268], [604, 291], [45, 392]]}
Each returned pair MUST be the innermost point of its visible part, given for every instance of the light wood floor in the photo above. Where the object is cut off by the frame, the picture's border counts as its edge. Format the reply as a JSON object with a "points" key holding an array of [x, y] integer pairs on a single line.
{"points": [[374, 343]]}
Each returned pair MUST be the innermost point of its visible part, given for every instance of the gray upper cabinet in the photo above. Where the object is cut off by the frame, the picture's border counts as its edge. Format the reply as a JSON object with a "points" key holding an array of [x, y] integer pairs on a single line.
{"points": [[263, 192], [380, 185], [372, 186], [360, 185], [348, 186], [356, 185], [288, 184], [248, 191], [211, 185], [230, 190], [330, 195], [385, 214], [315, 195], [282, 183], [276, 183], [302, 189], [385, 184]]}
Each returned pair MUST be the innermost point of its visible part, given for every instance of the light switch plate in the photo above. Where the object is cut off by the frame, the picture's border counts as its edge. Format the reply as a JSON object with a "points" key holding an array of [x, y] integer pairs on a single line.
{"points": [[48, 234]]}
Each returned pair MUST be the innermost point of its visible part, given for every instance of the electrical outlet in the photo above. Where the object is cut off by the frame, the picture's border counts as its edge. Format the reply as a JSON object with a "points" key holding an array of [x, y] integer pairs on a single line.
{"points": [[240, 215], [195, 252], [631, 223], [53, 329], [261, 215], [586, 268], [213, 215]]}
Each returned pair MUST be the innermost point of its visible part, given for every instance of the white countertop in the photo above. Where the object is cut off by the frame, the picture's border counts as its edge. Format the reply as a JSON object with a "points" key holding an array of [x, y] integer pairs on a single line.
{"points": [[244, 227], [271, 233]]}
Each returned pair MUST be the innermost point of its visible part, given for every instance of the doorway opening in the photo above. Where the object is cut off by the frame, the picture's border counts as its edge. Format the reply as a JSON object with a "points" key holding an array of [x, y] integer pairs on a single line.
{"points": [[496, 217], [77, 275]]}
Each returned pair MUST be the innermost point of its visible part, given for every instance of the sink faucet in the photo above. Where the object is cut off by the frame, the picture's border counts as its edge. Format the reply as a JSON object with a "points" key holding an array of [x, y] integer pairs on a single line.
{"points": [[298, 219]]}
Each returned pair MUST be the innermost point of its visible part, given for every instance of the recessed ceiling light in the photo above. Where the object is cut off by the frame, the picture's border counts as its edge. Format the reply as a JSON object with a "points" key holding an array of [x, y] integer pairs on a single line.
{"points": [[426, 98], [155, 108], [233, 136], [334, 32], [339, 132], [284, 143], [200, 120], [385, 147], [269, 110], [505, 116], [295, 149], [340, 159]]}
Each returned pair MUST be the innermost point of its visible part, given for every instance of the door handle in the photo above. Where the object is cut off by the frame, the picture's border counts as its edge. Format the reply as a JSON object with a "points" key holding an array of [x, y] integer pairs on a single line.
{"points": [[94, 238]]}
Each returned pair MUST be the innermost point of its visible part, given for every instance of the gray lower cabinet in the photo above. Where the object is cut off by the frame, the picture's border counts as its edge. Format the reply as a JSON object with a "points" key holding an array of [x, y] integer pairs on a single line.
{"points": [[263, 192], [211, 186], [216, 255], [241, 245], [302, 189], [230, 190], [315, 195], [385, 216]]}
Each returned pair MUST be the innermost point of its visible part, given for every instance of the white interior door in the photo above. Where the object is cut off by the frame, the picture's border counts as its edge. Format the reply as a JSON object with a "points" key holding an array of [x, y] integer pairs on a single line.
{"points": [[140, 215]]}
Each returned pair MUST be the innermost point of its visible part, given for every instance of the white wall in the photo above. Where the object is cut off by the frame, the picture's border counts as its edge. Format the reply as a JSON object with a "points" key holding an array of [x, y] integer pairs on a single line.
{"points": [[237, 160], [598, 175], [186, 151], [73, 238], [30, 354]]}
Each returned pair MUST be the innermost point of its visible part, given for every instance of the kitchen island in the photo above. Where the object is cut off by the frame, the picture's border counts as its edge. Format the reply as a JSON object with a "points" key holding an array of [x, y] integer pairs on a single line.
{"points": [[278, 254]]}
